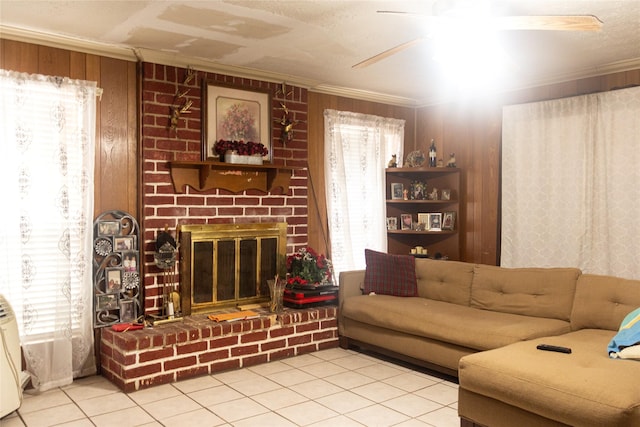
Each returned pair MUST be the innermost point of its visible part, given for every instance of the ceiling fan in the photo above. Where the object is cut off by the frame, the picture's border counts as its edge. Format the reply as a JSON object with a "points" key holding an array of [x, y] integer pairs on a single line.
{"points": [[461, 12]]}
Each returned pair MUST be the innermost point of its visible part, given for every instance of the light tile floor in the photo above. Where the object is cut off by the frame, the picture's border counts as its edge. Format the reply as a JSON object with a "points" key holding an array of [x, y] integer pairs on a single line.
{"points": [[334, 387]]}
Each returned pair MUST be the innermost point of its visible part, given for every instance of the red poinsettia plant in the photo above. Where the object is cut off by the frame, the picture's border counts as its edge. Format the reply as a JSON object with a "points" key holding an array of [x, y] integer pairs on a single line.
{"points": [[307, 267], [240, 147]]}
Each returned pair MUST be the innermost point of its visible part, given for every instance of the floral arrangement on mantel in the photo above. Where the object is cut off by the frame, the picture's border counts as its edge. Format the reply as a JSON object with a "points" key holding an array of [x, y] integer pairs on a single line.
{"points": [[307, 268], [240, 147]]}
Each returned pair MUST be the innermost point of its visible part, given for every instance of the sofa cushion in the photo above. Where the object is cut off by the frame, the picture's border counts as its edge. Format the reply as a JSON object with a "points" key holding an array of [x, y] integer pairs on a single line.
{"points": [[584, 388], [448, 281], [602, 302], [389, 274], [452, 323], [540, 292]]}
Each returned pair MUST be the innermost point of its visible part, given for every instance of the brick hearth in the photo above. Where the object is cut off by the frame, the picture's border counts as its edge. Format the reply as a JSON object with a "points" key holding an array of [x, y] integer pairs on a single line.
{"points": [[195, 346]]}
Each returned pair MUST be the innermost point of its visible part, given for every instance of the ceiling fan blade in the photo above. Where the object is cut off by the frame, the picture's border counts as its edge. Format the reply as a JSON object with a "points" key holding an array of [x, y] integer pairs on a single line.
{"points": [[550, 22], [386, 53], [398, 12], [533, 22]]}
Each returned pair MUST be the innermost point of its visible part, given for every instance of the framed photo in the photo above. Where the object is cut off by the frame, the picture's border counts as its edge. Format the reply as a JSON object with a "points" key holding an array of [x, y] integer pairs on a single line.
{"points": [[435, 222], [124, 243], [392, 223], [397, 190], [446, 194], [106, 302], [406, 221], [108, 228], [418, 190], [449, 221], [423, 218], [113, 280], [127, 310], [234, 114], [130, 261]]}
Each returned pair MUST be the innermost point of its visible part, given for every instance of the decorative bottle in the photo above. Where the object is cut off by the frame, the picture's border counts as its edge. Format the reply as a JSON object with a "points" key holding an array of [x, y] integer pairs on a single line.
{"points": [[432, 154]]}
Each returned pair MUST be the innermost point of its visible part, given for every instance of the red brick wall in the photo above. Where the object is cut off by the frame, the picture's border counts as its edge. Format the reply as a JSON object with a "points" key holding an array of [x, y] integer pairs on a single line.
{"points": [[198, 346], [163, 207]]}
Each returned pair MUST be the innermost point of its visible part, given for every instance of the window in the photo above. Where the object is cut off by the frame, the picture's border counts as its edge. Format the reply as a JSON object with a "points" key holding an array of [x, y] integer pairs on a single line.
{"points": [[48, 130], [357, 150]]}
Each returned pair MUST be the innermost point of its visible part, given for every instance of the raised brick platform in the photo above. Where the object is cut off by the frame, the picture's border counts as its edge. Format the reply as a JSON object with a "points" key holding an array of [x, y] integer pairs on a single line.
{"points": [[196, 346]]}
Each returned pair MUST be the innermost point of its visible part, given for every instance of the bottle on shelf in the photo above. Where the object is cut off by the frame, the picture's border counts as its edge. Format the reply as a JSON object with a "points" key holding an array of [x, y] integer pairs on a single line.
{"points": [[432, 154]]}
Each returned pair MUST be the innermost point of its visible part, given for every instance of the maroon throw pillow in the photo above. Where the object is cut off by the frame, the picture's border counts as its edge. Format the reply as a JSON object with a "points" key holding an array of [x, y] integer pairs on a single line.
{"points": [[388, 274]]}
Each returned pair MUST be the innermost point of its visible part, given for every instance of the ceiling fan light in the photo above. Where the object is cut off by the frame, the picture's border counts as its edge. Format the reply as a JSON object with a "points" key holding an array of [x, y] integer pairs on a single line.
{"points": [[470, 58]]}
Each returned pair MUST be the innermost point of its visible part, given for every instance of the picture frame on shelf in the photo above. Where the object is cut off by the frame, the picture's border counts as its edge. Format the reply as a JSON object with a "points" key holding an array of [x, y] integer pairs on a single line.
{"points": [[106, 301], [406, 220], [109, 228], [392, 223], [127, 310], [232, 113], [397, 189], [113, 280], [130, 261], [418, 190], [423, 218], [446, 194], [449, 220], [124, 243], [435, 222]]}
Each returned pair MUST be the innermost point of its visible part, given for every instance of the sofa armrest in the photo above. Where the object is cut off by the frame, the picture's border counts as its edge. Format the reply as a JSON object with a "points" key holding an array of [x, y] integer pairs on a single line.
{"points": [[351, 284]]}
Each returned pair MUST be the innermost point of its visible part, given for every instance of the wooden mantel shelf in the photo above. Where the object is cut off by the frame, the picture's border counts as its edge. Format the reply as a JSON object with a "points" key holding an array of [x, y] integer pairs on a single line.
{"points": [[203, 176]]}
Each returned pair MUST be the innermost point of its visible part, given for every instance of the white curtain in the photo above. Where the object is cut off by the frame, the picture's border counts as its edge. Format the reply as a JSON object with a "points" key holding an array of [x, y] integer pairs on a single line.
{"points": [[571, 183], [47, 126], [357, 150]]}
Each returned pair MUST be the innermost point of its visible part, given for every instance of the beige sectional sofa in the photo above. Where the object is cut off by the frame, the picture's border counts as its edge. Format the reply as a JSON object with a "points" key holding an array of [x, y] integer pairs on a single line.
{"points": [[482, 323]]}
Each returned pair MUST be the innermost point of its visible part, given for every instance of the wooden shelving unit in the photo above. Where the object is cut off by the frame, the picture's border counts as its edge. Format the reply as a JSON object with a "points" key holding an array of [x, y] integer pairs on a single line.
{"points": [[445, 242], [203, 176]]}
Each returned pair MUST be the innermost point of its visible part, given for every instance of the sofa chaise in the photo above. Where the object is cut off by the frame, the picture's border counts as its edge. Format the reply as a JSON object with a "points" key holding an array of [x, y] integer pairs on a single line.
{"points": [[483, 323]]}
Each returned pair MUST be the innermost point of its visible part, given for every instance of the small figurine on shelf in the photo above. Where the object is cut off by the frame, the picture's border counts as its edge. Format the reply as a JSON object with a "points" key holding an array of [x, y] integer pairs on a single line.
{"points": [[432, 154], [452, 161], [434, 194], [405, 194], [393, 163]]}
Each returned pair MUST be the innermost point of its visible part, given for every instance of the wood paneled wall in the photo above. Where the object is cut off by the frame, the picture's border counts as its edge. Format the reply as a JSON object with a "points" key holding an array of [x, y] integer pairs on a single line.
{"points": [[116, 169], [472, 132], [318, 231]]}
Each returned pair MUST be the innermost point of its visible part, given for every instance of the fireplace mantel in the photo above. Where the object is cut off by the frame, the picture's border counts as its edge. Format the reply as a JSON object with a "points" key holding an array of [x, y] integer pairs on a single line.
{"points": [[203, 176]]}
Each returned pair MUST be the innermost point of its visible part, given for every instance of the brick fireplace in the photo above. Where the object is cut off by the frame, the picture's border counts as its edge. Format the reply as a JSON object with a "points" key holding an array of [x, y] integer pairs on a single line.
{"points": [[196, 345], [164, 207]]}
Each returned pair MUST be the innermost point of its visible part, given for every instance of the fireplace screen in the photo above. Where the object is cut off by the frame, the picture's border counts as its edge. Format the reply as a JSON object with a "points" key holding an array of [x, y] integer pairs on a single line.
{"points": [[225, 265]]}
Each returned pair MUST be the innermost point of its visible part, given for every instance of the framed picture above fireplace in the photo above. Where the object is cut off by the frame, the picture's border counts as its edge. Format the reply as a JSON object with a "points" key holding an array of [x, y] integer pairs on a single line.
{"points": [[233, 113]]}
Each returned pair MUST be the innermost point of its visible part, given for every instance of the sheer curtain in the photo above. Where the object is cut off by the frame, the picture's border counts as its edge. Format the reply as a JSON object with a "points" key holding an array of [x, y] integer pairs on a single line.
{"points": [[571, 183], [48, 136], [357, 150]]}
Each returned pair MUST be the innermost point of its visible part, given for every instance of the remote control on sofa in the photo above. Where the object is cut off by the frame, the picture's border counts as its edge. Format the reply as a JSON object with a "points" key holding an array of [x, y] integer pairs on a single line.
{"points": [[557, 348]]}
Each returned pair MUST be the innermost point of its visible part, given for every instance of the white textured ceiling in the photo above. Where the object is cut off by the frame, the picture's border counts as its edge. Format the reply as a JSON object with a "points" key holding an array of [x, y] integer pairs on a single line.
{"points": [[315, 43]]}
